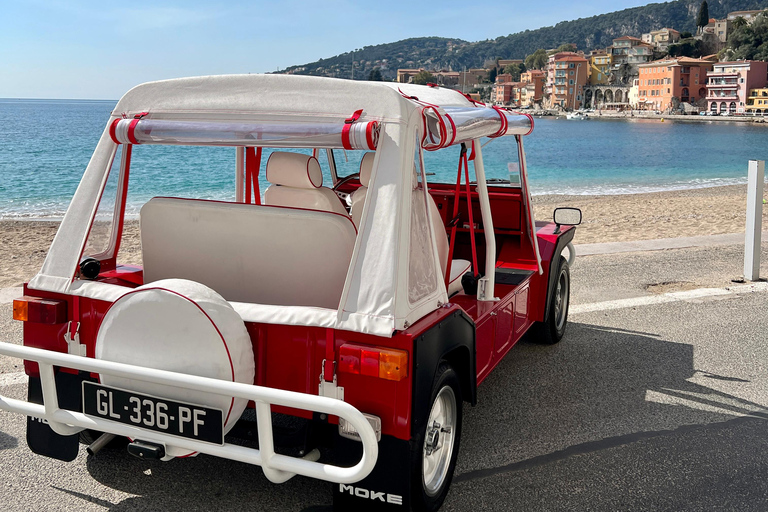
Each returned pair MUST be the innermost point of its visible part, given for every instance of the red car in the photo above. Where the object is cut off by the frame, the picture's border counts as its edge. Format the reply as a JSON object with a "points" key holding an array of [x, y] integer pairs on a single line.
{"points": [[339, 330]]}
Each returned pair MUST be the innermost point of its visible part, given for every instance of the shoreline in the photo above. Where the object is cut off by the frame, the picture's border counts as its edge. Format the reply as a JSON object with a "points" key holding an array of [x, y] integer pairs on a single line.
{"points": [[644, 115], [606, 218]]}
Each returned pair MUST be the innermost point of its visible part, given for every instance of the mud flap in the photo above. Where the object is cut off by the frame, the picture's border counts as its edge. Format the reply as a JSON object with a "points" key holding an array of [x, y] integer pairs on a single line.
{"points": [[388, 487], [40, 438]]}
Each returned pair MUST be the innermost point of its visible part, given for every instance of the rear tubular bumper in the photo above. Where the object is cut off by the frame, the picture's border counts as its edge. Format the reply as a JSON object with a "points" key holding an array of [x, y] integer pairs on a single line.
{"points": [[277, 467]]}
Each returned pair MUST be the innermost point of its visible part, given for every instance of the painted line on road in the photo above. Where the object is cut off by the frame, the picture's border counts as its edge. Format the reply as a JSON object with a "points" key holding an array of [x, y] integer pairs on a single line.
{"points": [[700, 293], [8, 294], [13, 379]]}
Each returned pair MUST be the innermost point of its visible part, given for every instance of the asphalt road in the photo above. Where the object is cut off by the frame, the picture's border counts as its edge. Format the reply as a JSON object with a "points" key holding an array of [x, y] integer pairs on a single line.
{"points": [[645, 407]]}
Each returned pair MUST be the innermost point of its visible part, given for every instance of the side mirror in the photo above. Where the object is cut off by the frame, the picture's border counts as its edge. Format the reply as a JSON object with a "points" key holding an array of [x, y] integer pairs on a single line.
{"points": [[566, 217]]}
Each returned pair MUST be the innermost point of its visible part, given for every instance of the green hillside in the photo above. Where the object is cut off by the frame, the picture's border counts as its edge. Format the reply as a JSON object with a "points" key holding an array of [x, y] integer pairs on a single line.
{"points": [[456, 54]]}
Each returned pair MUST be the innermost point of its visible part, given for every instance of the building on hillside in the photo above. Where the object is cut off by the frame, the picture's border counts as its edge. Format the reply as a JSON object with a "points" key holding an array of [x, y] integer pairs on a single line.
{"points": [[503, 78], [502, 63], [662, 38], [722, 29], [757, 102], [535, 81], [566, 78], [664, 84], [405, 76], [600, 64], [729, 84], [749, 16], [620, 49]]}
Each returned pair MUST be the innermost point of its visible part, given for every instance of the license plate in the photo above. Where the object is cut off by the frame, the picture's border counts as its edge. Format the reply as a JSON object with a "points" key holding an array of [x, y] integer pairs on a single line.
{"points": [[152, 413]]}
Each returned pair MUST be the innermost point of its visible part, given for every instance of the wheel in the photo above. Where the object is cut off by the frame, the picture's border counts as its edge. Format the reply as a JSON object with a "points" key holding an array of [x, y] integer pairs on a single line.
{"points": [[435, 455], [552, 330]]}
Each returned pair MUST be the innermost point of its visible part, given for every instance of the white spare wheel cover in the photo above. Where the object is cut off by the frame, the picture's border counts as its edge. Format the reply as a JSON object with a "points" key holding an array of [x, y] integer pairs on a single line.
{"points": [[181, 326]]}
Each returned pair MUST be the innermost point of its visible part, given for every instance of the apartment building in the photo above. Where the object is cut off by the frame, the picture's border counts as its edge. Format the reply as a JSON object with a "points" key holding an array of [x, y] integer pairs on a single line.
{"points": [[600, 65], [663, 84], [566, 78], [757, 102], [730, 83]]}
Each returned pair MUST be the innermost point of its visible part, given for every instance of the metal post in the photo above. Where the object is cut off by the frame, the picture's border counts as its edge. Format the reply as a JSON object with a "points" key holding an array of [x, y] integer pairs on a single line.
{"points": [[239, 174], [755, 185]]}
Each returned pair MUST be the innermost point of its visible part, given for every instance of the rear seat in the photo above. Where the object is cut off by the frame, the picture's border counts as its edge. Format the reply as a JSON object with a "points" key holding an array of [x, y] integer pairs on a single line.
{"points": [[247, 253]]}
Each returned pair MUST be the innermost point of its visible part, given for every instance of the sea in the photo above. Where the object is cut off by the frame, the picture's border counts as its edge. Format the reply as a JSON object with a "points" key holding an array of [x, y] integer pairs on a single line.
{"points": [[45, 146]]}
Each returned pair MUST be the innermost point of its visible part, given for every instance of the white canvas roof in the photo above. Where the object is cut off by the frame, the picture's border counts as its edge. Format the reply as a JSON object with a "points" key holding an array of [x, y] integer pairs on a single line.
{"points": [[376, 297]]}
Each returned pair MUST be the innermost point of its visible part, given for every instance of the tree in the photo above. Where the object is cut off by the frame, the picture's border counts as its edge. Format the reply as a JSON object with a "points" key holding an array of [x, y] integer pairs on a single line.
{"points": [[375, 75], [515, 70], [739, 22], [492, 75], [703, 18], [566, 47], [750, 42], [537, 60], [685, 35], [423, 78]]}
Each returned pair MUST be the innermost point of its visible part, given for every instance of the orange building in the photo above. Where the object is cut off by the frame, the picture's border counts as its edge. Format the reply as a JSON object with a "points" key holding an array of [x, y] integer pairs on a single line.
{"points": [[682, 78], [567, 76], [535, 82]]}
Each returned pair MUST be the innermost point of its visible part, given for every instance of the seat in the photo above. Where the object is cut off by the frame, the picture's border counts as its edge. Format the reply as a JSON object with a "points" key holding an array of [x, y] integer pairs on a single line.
{"points": [[297, 182], [458, 267], [358, 196], [248, 253]]}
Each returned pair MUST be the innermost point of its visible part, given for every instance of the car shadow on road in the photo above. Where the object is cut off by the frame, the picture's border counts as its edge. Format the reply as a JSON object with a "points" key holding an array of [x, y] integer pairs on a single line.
{"points": [[7, 441], [600, 389], [201, 483]]}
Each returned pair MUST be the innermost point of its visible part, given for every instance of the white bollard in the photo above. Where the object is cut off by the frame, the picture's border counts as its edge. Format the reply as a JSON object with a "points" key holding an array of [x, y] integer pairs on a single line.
{"points": [[755, 184]]}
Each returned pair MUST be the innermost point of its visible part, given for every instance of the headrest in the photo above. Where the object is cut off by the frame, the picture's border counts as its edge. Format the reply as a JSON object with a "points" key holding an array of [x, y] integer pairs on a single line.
{"points": [[366, 166], [294, 170]]}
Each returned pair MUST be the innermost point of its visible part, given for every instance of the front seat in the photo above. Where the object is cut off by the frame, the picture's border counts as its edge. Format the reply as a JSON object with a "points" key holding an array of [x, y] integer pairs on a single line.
{"points": [[297, 182], [358, 196]]}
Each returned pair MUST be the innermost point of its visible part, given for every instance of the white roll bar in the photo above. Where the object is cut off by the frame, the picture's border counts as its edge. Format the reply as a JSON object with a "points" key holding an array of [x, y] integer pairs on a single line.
{"points": [[277, 468]]}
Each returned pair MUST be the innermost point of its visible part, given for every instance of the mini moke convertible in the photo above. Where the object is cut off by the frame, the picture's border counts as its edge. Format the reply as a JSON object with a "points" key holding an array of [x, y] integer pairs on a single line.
{"points": [[344, 311]]}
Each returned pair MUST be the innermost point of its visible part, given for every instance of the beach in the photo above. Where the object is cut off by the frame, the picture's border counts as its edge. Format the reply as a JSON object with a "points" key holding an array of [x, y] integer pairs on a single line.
{"points": [[670, 214]]}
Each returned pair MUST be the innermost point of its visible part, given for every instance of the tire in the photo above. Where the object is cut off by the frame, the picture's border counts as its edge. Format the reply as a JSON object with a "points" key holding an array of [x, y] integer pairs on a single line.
{"points": [[551, 331], [434, 458]]}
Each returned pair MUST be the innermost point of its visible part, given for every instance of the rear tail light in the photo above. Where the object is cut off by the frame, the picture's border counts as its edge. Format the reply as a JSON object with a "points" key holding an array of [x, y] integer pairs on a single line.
{"points": [[41, 311], [384, 363]]}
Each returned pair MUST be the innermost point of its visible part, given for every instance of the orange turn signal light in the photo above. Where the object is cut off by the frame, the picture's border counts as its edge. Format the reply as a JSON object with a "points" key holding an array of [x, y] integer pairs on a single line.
{"points": [[41, 311], [384, 363]]}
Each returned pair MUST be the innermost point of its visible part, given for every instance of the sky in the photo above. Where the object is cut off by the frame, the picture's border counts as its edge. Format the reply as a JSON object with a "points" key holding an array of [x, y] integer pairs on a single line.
{"points": [[79, 49]]}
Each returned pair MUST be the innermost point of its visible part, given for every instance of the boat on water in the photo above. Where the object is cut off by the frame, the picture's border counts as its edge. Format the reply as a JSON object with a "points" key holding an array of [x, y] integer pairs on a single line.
{"points": [[581, 116]]}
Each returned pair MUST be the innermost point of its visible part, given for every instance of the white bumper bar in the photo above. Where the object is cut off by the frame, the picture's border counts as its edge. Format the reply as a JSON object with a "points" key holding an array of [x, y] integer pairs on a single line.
{"points": [[277, 468]]}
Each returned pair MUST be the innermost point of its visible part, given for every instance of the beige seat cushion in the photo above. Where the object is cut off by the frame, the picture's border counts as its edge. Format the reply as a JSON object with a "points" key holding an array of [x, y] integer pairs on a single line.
{"points": [[458, 267], [297, 183], [359, 195], [248, 253]]}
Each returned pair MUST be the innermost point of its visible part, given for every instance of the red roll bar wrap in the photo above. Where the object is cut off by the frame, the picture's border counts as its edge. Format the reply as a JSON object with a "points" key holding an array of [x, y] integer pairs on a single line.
{"points": [[348, 126]]}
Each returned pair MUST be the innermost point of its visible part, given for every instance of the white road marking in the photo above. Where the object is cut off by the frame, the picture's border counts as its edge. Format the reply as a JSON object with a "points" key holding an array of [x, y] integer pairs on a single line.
{"points": [[13, 379], [701, 293], [8, 294]]}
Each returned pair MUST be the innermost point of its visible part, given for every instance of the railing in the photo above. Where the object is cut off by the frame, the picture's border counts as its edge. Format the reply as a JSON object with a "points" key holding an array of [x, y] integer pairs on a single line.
{"points": [[277, 468]]}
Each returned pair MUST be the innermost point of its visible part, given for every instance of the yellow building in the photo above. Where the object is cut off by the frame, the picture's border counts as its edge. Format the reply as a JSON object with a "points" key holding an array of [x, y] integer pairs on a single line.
{"points": [[757, 102], [600, 67]]}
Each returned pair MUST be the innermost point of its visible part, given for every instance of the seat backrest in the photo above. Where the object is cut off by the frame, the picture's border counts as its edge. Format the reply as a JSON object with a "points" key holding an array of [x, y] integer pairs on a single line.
{"points": [[359, 195], [297, 182], [441, 237], [248, 253]]}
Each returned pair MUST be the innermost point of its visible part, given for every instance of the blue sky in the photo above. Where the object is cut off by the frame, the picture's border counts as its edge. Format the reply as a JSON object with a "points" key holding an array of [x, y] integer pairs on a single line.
{"points": [[100, 49]]}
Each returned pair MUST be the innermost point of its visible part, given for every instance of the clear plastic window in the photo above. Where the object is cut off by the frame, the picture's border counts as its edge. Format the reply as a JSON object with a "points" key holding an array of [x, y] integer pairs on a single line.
{"points": [[500, 156], [422, 277], [99, 243]]}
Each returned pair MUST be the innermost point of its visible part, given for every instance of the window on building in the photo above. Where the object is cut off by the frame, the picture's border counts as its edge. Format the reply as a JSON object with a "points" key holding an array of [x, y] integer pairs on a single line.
{"points": [[570, 82], [570, 65]]}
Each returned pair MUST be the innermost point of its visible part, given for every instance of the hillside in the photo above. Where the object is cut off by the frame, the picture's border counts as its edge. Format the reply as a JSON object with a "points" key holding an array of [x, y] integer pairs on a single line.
{"points": [[586, 33]]}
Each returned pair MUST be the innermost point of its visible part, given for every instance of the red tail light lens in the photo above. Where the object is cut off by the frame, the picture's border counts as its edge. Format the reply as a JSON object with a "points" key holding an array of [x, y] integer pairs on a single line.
{"points": [[41, 311], [384, 363]]}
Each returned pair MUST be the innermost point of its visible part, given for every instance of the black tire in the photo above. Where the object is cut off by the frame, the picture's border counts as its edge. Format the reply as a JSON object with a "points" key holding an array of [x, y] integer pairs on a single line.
{"points": [[429, 488], [551, 331]]}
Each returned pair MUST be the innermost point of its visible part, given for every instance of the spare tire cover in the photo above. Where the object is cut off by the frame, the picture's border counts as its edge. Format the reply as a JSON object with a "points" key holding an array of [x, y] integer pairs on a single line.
{"points": [[181, 326]]}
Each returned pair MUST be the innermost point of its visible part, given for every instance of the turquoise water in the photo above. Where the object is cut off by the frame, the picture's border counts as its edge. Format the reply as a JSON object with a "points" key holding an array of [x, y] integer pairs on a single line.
{"points": [[45, 146]]}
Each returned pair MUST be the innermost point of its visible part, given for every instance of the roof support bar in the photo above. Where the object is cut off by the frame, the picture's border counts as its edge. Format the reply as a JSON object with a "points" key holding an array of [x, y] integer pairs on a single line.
{"points": [[485, 287]]}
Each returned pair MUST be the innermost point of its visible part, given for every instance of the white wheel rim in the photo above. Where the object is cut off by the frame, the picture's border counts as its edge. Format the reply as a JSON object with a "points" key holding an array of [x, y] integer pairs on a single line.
{"points": [[438, 442]]}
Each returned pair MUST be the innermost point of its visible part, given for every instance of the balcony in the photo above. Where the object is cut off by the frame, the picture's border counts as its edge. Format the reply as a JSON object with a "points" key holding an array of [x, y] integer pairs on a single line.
{"points": [[722, 75], [721, 83], [723, 97]]}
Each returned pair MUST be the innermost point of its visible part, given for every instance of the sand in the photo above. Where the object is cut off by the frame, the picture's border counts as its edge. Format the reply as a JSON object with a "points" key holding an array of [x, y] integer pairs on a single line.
{"points": [[708, 211]]}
